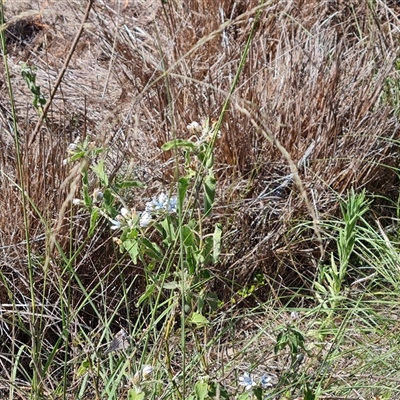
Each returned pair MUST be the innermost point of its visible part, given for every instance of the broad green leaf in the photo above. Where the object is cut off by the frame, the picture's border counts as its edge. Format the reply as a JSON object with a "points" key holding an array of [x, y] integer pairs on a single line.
{"points": [[152, 249], [214, 387], [201, 390], [78, 155], [178, 143], [258, 393], [309, 394], [131, 246], [167, 230], [100, 172], [171, 285], [134, 394], [149, 291], [188, 237], [199, 320]]}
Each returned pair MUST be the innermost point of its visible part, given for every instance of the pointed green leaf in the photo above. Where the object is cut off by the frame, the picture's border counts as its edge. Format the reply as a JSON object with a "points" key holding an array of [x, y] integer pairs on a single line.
{"points": [[209, 194], [94, 217]]}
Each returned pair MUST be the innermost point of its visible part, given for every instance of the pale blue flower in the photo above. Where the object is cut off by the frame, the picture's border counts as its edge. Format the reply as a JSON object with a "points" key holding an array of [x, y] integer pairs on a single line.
{"points": [[115, 224], [247, 381], [145, 219], [173, 202], [265, 381], [149, 207], [162, 202]]}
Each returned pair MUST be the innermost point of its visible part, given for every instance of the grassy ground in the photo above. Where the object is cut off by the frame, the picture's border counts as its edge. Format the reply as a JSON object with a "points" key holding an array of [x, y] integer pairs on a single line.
{"points": [[209, 189]]}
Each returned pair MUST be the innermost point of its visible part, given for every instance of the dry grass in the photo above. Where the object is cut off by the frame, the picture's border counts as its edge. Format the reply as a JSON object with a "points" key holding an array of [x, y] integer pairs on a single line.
{"points": [[316, 82], [319, 82]]}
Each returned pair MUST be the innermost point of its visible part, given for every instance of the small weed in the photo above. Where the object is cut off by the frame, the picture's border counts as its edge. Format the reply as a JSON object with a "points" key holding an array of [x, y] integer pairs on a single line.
{"points": [[29, 75]]}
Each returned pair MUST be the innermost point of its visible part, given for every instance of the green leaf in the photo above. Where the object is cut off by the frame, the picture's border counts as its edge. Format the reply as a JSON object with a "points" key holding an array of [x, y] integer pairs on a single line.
{"points": [[212, 300], [94, 217], [217, 235], [183, 185], [214, 387], [309, 394], [131, 246], [167, 230], [78, 155], [280, 342], [134, 394], [178, 143], [209, 193], [199, 320], [100, 172], [208, 159], [201, 390], [147, 294], [188, 237], [258, 393], [83, 368], [151, 249], [171, 285]]}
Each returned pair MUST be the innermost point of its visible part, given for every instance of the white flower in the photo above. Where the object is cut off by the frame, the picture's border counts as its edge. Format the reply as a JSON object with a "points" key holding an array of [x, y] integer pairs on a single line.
{"points": [[147, 371], [137, 378], [72, 148], [125, 213], [143, 375], [77, 202], [194, 127]]}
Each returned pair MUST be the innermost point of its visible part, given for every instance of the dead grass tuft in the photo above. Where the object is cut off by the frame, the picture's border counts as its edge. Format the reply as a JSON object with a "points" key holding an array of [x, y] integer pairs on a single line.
{"points": [[319, 81]]}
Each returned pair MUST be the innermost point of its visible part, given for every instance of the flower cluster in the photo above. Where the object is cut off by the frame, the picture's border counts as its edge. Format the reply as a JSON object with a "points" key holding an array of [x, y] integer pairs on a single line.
{"points": [[157, 204], [160, 203], [205, 131], [140, 381], [249, 381], [143, 375]]}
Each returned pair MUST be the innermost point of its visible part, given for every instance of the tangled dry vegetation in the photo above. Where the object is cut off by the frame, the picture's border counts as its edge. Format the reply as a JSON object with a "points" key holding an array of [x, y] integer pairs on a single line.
{"points": [[314, 114], [317, 98]]}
